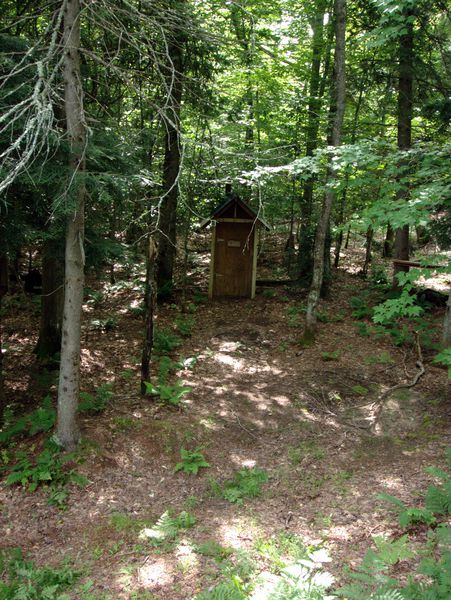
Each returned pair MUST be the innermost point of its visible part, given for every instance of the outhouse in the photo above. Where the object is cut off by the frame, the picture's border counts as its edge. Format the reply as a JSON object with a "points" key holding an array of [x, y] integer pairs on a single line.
{"points": [[233, 263]]}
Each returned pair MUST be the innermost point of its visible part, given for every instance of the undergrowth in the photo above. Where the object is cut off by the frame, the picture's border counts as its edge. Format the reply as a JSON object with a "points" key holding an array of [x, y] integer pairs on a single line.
{"points": [[23, 580], [246, 483], [430, 578], [50, 469]]}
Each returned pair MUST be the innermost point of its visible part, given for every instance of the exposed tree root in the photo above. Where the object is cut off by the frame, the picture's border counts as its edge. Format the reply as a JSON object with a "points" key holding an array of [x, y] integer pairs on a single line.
{"points": [[378, 404]]}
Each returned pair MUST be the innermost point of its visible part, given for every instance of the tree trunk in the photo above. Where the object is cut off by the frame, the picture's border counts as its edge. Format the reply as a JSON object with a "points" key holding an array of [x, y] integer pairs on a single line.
{"points": [[387, 250], [4, 279], [446, 337], [307, 232], [340, 96], [171, 166], [52, 300], [341, 215], [405, 104], [69, 379], [149, 303], [368, 245]]}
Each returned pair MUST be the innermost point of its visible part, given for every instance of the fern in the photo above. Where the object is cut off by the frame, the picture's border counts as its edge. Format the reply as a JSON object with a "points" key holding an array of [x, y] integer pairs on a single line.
{"points": [[246, 483], [95, 403], [40, 420], [167, 527], [169, 394], [22, 580], [409, 516], [164, 342], [438, 497], [223, 591], [191, 461], [371, 581]]}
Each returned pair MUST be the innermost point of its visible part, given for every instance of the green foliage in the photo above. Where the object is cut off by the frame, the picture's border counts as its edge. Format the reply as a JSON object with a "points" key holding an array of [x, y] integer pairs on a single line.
{"points": [[444, 358], [372, 579], [168, 394], [41, 420], [47, 469], [408, 516], [292, 571], [400, 335], [323, 317], [96, 403], [191, 461], [378, 278], [246, 483], [127, 374], [282, 550], [137, 311], [306, 449], [363, 329], [167, 527], [166, 365], [124, 522], [22, 580], [384, 358], [438, 497], [360, 390], [95, 297], [164, 342], [223, 591], [394, 308], [360, 308], [125, 423], [214, 550], [107, 324], [328, 356], [184, 325]]}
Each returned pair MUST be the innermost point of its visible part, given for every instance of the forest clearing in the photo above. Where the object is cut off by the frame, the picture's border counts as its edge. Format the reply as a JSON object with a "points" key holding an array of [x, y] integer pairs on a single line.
{"points": [[225, 300]]}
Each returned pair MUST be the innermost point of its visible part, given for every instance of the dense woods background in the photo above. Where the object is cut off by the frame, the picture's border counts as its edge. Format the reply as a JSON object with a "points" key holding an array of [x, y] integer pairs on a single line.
{"points": [[123, 121]]}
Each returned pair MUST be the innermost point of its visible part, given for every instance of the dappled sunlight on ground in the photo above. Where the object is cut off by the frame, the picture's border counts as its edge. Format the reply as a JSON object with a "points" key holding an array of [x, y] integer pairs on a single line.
{"points": [[257, 400], [154, 573]]}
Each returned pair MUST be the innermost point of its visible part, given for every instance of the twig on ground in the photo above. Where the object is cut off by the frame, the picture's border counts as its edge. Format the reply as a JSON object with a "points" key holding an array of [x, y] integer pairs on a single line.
{"points": [[243, 427]]}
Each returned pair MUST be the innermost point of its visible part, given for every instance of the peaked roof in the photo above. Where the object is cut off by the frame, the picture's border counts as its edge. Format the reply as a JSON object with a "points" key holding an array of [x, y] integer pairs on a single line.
{"points": [[230, 200]]}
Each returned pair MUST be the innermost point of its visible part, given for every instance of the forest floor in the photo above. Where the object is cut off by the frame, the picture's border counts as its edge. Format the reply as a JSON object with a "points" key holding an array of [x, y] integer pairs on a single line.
{"points": [[308, 417]]}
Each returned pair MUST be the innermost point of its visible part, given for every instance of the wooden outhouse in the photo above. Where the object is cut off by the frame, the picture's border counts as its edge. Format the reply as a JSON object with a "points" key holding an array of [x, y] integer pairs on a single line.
{"points": [[233, 264]]}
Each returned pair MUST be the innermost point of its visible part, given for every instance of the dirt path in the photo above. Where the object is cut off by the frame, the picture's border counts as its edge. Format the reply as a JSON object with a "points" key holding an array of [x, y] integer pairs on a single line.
{"points": [[257, 400]]}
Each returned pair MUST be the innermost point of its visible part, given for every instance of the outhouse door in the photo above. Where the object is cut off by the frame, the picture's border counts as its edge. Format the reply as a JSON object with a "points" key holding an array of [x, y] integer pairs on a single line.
{"points": [[233, 259]]}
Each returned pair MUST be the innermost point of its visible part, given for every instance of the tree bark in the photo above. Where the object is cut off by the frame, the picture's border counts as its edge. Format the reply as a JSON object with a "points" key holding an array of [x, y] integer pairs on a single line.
{"points": [[307, 231], [446, 337], [52, 300], [405, 105], [167, 224], [69, 380], [387, 250], [368, 246], [4, 279], [149, 303], [340, 95]]}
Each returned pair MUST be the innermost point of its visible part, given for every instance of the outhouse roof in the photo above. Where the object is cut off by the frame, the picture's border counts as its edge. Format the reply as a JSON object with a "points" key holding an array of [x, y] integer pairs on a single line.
{"points": [[228, 202]]}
